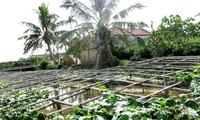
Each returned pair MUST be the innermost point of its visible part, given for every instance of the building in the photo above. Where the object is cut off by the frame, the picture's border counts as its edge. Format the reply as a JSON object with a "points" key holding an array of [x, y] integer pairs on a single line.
{"points": [[90, 56], [132, 33]]}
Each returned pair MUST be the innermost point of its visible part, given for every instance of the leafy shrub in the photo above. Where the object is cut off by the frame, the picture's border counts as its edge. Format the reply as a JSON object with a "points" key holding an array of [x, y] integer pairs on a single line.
{"points": [[59, 66], [16, 64], [43, 65], [122, 52], [192, 46], [124, 62], [140, 52], [51, 66], [37, 60], [171, 37]]}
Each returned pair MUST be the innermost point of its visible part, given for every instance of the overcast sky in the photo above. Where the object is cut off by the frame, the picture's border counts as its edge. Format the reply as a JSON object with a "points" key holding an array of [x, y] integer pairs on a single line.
{"points": [[14, 11]]}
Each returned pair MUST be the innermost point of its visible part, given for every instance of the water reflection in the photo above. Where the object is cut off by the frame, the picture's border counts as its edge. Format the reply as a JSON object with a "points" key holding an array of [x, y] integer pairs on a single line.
{"points": [[91, 93], [87, 94]]}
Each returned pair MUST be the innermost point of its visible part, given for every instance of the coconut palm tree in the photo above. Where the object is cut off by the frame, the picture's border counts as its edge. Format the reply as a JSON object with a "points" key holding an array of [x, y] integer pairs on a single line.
{"points": [[100, 21], [69, 21], [44, 33]]}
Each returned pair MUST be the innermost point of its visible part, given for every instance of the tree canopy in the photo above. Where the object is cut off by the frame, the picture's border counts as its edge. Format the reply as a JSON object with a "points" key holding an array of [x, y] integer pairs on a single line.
{"points": [[44, 33], [99, 21]]}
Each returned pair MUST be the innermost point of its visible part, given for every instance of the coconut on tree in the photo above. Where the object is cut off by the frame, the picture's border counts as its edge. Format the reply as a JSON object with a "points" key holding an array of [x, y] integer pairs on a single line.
{"points": [[100, 20], [36, 36]]}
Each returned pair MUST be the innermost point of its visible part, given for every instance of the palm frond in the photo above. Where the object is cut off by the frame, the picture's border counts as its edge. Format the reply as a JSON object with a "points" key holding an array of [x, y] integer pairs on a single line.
{"points": [[78, 9], [124, 13], [112, 4], [67, 35], [65, 22], [60, 32], [86, 27], [30, 25], [78, 45], [142, 25], [32, 42], [108, 11], [98, 5]]}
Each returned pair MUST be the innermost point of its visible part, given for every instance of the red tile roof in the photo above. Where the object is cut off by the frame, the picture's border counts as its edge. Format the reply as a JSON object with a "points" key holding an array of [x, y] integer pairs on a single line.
{"points": [[137, 32]]}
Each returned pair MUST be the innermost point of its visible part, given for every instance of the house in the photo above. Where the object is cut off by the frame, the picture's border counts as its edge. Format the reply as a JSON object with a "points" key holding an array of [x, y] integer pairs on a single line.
{"points": [[132, 33], [90, 55]]}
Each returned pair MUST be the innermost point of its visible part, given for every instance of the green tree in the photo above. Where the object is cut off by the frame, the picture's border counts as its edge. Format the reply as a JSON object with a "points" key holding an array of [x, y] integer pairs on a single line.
{"points": [[44, 33], [172, 34], [100, 22]]}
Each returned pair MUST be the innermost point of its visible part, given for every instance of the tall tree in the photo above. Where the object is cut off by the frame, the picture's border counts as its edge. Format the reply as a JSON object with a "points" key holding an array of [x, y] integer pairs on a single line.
{"points": [[100, 21], [172, 34], [44, 33]]}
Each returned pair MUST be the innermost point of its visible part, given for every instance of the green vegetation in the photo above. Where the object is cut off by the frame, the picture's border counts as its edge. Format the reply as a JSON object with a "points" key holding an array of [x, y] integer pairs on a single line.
{"points": [[111, 106], [98, 24], [116, 107], [192, 79], [45, 33], [14, 104], [27, 62], [39, 63], [173, 37]]}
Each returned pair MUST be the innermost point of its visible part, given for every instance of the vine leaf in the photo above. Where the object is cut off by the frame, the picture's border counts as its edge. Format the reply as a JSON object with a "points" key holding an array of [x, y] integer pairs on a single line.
{"points": [[192, 104]]}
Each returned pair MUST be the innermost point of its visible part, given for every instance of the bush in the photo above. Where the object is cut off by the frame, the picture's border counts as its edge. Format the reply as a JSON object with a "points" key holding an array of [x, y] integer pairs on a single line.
{"points": [[140, 52], [192, 46], [59, 66], [18, 63], [122, 52], [124, 62], [43, 65], [51, 66], [37, 60]]}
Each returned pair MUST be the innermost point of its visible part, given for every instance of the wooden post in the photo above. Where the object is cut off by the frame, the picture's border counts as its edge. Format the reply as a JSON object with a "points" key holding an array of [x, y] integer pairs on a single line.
{"points": [[143, 90], [165, 84], [56, 92]]}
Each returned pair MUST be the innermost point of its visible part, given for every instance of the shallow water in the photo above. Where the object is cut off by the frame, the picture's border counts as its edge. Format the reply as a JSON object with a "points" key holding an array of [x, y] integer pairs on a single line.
{"points": [[91, 93], [88, 94]]}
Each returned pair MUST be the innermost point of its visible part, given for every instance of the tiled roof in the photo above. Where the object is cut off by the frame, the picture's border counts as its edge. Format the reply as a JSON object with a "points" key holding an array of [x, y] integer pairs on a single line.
{"points": [[137, 32]]}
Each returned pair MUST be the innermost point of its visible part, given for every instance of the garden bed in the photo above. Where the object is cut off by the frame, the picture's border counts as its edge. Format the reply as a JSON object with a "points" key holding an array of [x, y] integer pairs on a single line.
{"points": [[59, 91]]}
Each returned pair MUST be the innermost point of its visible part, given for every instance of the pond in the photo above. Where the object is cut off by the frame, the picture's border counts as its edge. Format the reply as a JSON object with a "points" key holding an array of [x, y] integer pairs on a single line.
{"points": [[93, 92]]}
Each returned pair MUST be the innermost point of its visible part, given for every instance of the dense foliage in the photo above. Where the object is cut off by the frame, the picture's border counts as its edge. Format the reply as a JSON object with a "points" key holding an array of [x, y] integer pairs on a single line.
{"points": [[15, 104], [39, 63], [173, 36], [193, 79], [116, 107]]}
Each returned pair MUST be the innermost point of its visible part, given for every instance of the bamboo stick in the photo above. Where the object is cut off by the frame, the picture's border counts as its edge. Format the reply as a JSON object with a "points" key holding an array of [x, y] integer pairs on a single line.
{"points": [[154, 93], [68, 108]]}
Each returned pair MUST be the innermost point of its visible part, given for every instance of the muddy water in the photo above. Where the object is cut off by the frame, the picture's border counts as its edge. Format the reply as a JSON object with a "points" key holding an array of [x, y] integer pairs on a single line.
{"points": [[88, 94], [142, 90]]}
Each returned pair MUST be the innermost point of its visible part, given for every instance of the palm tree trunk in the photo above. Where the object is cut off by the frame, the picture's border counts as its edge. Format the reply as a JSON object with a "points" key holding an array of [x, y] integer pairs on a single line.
{"points": [[109, 53], [51, 54]]}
